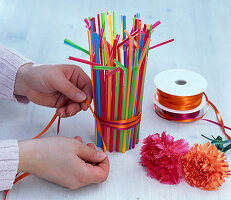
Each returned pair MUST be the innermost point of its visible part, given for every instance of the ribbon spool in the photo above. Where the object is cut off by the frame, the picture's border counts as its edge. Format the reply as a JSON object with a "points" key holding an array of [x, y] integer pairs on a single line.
{"points": [[179, 95]]}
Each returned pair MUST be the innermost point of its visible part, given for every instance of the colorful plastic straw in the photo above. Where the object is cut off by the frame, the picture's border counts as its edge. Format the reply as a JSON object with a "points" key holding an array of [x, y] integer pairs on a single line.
{"points": [[66, 41]]}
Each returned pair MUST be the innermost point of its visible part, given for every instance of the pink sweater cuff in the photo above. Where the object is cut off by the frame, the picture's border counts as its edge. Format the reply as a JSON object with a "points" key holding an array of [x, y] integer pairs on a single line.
{"points": [[9, 158], [10, 62]]}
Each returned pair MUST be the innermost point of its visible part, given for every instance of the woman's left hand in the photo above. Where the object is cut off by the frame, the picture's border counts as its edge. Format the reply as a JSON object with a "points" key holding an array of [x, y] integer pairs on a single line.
{"points": [[51, 85]]}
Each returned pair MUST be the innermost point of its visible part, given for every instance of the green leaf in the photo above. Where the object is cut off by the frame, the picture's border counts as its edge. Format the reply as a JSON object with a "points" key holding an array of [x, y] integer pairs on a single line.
{"points": [[227, 148], [219, 143]]}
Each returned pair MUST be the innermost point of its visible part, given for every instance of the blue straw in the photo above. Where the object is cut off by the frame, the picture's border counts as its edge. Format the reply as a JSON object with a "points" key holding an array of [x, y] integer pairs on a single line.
{"points": [[93, 48], [130, 146], [98, 90], [138, 15], [141, 45], [124, 37]]}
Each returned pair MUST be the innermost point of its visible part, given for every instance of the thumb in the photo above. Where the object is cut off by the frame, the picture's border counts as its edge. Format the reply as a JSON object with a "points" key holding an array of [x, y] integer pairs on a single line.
{"points": [[91, 155], [64, 86]]}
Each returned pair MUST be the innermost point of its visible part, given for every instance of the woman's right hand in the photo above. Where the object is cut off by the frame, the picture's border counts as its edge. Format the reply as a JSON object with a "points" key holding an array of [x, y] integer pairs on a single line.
{"points": [[64, 161]]}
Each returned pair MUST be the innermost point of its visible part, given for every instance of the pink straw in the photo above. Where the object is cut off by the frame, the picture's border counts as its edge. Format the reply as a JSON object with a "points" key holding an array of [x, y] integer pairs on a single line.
{"points": [[160, 44], [155, 25], [84, 61]]}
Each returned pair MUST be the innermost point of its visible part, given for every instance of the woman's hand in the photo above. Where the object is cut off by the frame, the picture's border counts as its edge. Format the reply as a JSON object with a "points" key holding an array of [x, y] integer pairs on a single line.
{"points": [[51, 85], [64, 161]]}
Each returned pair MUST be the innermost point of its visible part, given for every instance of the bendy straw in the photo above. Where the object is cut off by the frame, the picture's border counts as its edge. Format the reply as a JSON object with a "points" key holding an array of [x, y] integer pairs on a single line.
{"points": [[66, 41]]}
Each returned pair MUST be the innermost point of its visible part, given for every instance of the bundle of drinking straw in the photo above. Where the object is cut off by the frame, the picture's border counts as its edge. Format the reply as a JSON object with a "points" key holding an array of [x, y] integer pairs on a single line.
{"points": [[118, 68]]}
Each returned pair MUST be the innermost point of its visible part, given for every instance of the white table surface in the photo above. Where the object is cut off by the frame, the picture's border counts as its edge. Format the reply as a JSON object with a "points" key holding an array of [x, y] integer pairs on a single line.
{"points": [[202, 32]]}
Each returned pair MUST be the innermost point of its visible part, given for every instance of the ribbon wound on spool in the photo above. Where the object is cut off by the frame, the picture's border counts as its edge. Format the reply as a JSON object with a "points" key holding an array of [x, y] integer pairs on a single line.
{"points": [[185, 103]]}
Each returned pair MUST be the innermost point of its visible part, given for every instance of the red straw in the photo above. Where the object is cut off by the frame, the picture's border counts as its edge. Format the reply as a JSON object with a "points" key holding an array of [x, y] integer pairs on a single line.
{"points": [[87, 24], [84, 61], [112, 72], [113, 50], [126, 40], [160, 44], [155, 25], [94, 26], [146, 36], [119, 56], [112, 112], [120, 108], [58, 126], [141, 77], [144, 28], [101, 36], [103, 110], [139, 28]]}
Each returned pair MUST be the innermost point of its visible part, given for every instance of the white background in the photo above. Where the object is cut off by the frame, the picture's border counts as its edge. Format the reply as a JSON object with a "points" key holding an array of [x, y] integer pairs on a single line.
{"points": [[202, 33]]}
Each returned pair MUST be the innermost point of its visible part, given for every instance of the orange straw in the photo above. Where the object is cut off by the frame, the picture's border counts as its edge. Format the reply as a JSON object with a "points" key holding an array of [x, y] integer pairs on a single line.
{"points": [[93, 86], [128, 89]]}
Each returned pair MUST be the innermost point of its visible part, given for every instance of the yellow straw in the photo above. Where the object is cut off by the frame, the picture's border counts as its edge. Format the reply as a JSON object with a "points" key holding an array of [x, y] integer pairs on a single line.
{"points": [[122, 26], [110, 28]]}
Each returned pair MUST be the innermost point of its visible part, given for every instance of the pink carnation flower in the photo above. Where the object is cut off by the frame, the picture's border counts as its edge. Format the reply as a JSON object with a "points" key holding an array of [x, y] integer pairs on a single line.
{"points": [[162, 157]]}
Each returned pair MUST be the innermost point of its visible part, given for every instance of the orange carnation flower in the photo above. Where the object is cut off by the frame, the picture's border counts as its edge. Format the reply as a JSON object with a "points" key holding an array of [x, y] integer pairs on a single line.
{"points": [[205, 166]]}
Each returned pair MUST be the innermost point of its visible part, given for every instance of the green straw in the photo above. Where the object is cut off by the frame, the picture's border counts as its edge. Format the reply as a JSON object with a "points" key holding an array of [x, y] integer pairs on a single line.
{"points": [[114, 24], [104, 67], [133, 84], [76, 46], [124, 99], [134, 23], [116, 103], [103, 23], [142, 91], [103, 26], [141, 103]]}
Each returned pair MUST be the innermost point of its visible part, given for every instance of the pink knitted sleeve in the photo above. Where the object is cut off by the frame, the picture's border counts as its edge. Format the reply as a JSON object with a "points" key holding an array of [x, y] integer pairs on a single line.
{"points": [[9, 157], [10, 62]]}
